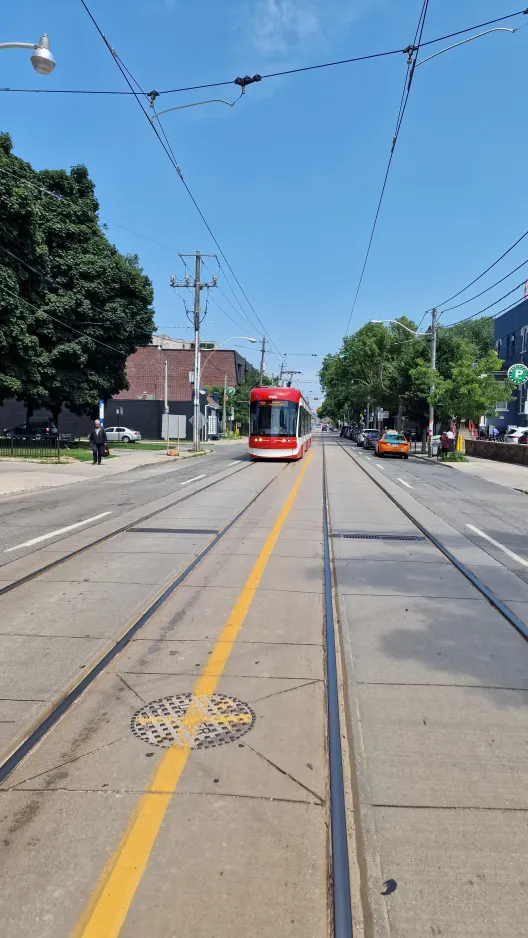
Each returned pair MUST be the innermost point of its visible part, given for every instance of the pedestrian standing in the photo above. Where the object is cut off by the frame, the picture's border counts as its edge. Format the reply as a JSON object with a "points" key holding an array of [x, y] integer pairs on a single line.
{"points": [[97, 438]]}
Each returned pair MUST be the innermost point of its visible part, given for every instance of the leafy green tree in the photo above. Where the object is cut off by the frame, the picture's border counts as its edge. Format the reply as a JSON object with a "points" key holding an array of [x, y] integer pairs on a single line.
{"points": [[23, 262]]}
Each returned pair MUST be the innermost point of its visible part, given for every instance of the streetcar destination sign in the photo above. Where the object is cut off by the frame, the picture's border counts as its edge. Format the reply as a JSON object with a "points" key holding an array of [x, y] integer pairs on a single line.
{"points": [[518, 374]]}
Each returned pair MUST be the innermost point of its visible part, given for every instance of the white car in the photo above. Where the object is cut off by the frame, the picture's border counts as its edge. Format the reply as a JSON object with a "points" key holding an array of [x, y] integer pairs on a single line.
{"points": [[513, 435], [122, 435]]}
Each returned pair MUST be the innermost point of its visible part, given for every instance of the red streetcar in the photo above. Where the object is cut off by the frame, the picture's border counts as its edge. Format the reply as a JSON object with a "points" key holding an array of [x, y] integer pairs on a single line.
{"points": [[280, 424]]}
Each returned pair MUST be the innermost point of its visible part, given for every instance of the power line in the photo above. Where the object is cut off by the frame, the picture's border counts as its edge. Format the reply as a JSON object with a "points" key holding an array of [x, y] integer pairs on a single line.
{"points": [[411, 65], [480, 311], [502, 279], [257, 78], [484, 272], [65, 325]]}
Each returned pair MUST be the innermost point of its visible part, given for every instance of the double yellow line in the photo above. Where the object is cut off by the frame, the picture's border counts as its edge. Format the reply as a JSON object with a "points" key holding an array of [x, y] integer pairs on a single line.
{"points": [[109, 906]]}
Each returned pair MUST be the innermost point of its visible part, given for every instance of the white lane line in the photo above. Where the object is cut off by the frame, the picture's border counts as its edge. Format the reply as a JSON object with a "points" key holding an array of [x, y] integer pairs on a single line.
{"points": [[378, 464], [235, 463], [403, 482], [193, 480], [46, 537], [497, 544]]}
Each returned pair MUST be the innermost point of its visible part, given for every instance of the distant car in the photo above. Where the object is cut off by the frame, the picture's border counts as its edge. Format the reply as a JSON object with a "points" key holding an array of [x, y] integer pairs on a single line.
{"points": [[324, 428], [371, 438], [37, 429], [392, 444], [523, 438], [122, 435], [513, 436]]}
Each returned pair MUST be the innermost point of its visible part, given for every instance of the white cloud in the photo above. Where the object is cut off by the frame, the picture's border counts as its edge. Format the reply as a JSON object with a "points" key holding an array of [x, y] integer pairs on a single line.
{"points": [[275, 27]]}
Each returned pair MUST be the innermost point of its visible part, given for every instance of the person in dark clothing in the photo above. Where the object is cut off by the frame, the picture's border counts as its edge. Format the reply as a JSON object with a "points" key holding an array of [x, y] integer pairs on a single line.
{"points": [[97, 438]]}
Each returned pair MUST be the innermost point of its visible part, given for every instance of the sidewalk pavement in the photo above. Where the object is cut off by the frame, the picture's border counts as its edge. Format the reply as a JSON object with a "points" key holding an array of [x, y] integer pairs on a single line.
{"points": [[509, 474], [25, 476]]}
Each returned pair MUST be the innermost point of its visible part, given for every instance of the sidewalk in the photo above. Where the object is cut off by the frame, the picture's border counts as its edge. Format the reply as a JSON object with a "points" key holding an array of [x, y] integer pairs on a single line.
{"points": [[17, 476], [509, 474]]}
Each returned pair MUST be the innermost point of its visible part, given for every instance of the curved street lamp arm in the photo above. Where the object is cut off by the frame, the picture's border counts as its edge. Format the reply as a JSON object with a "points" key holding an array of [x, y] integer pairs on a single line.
{"points": [[19, 45], [498, 29]]}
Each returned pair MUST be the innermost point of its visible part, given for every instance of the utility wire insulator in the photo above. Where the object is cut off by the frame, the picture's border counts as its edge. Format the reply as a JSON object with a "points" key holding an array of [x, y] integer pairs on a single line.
{"points": [[152, 95], [409, 51], [244, 82]]}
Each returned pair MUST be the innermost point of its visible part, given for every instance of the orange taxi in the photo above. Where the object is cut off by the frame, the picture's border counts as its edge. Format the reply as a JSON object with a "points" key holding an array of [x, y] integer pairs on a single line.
{"points": [[392, 443]]}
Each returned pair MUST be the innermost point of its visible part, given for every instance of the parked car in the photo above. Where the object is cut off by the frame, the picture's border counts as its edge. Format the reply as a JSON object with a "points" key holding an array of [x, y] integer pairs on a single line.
{"points": [[122, 435], [513, 436], [391, 443], [343, 430], [367, 438], [37, 429], [324, 428], [523, 438]]}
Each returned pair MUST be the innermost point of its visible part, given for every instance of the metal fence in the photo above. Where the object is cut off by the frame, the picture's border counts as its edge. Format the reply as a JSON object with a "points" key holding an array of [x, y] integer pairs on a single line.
{"points": [[31, 447]]}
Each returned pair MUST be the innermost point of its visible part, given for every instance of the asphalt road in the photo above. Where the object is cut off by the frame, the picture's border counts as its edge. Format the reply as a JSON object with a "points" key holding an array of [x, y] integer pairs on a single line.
{"points": [[30, 515], [462, 500]]}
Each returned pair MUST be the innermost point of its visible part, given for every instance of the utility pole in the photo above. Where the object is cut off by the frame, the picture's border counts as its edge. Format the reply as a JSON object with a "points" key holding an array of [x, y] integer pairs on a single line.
{"points": [[198, 287], [434, 315], [167, 403], [224, 407], [262, 353]]}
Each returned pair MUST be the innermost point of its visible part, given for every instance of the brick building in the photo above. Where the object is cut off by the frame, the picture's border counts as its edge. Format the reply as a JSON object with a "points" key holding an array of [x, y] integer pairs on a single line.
{"points": [[146, 370]]}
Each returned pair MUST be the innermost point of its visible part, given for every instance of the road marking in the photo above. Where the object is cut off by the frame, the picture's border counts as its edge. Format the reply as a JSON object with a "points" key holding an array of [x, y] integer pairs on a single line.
{"points": [[108, 909], [235, 463], [403, 482], [378, 464], [497, 544], [193, 480], [46, 537]]}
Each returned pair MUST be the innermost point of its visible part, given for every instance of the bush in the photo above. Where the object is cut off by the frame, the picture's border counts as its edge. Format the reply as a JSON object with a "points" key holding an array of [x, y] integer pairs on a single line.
{"points": [[454, 457]]}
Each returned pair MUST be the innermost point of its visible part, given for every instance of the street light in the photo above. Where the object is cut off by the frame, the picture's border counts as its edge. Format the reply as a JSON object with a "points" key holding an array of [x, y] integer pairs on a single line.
{"points": [[434, 316], [247, 338], [42, 60]]}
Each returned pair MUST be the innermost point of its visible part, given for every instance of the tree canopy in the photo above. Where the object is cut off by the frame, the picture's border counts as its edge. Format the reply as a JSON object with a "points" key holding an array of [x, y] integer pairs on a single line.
{"points": [[72, 307], [386, 366]]}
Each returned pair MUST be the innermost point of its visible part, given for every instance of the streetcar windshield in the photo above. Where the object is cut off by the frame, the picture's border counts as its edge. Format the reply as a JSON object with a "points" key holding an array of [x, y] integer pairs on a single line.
{"points": [[273, 418]]}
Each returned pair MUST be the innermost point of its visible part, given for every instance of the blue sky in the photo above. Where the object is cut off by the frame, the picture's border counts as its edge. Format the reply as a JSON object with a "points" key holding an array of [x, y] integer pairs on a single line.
{"points": [[290, 177]]}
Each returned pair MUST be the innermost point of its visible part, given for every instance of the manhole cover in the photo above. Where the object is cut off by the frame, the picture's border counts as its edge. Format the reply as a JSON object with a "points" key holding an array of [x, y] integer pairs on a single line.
{"points": [[189, 722]]}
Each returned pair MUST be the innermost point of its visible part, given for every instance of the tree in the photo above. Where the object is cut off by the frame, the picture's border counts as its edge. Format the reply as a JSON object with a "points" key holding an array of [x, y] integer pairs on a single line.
{"points": [[72, 308], [97, 308], [23, 261]]}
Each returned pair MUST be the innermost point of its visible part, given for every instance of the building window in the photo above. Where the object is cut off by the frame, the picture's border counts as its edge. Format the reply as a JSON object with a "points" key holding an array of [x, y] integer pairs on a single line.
{"points": [[502, 406], [511, 345], [498, 346], [524, 334]]}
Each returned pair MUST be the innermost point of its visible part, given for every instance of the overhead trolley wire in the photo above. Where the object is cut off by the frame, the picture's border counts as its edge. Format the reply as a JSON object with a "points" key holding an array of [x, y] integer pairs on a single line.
{"points": [[127, 75], [412, 51], [284, 72]]}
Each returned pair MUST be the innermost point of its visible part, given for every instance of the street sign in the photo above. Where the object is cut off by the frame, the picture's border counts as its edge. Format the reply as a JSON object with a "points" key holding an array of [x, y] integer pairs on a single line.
{"points": [[518, 374], [230, 392], [101, 411]]}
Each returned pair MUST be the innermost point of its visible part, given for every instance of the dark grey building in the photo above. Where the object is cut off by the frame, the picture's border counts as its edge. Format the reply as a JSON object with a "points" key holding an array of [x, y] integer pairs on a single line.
{"points": [[511, 345]]}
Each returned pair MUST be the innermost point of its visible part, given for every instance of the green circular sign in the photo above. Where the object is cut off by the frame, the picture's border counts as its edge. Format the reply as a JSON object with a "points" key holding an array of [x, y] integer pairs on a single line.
{"points": [[230, 392], [518, 374]]}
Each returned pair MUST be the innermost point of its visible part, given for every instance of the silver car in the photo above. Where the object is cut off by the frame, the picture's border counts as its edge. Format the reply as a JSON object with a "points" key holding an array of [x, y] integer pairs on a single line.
{"points": [[122, 435]]}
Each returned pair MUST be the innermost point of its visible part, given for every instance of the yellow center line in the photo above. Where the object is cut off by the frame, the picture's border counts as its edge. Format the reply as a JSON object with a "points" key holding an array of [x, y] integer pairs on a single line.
{"points": [[108, 908]]}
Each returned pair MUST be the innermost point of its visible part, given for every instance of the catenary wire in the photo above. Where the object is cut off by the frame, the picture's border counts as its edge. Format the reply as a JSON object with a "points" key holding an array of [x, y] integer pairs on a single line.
{"points": [[411, 65], [502, 279], [289, 71], [168, 150]]}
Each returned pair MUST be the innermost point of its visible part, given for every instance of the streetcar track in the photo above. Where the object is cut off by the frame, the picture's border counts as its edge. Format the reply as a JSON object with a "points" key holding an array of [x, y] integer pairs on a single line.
{"points": [[72, 692], [340, 867], [497, 603], [106, 537]]}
